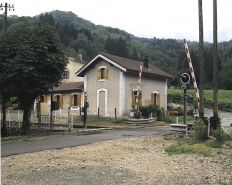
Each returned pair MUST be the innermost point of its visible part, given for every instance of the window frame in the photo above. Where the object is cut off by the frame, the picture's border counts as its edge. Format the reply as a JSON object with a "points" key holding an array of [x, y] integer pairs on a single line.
{"points": [[76, 107], [65, 74], [102, 70]]}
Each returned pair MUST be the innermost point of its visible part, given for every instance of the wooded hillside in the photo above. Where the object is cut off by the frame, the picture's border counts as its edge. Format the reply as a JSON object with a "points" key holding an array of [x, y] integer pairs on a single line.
{"points": [[80, 35]]}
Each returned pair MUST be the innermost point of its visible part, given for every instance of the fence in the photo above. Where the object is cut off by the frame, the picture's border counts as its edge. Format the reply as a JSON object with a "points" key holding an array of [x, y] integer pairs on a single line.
{"points": [[14, 120]]}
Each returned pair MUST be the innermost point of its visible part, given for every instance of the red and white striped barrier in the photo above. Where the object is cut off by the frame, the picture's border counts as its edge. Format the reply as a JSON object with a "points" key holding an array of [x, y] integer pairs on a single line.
{"points": [[192, 72], [140, 72]]}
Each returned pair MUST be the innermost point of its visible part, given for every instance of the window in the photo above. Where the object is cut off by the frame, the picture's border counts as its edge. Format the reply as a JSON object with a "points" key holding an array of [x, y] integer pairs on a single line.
{"points": [[155, 99], [43, 99], [66, 75], [75, 100], [58, 98], [134, 99], [102, 73]]}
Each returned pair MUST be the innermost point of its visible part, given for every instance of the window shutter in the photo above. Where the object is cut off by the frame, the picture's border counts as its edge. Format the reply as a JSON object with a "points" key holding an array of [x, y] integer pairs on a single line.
{"points": [[36, 101], [106, 73], [61, 102], [140, 101], [70, 100], [152, 99], [45, 99], [79, 100], [159, 99], [98, 74], [53, 98]]}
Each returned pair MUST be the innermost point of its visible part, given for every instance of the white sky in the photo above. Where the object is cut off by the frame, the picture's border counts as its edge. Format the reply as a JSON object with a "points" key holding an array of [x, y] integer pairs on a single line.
{"points": [[147, 18]]}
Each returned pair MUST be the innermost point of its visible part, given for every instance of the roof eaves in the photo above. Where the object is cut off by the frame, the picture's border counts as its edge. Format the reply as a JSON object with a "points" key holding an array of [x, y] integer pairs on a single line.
{"points": [[153, 74], [103, 57]]}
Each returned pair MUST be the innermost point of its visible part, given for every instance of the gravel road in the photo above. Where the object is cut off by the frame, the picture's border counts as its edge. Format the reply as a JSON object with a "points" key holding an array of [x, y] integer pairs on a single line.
{"points": [[138, 160]]}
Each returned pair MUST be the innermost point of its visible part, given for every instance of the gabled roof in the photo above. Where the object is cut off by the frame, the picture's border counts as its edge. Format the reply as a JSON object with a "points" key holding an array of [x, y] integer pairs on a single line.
{"points": [[68, 87], [77, 60], [126, 65]]}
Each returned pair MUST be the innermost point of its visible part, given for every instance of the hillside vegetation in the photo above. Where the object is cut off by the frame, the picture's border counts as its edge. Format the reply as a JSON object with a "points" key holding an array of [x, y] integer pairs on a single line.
{"points": [[80, 35]]}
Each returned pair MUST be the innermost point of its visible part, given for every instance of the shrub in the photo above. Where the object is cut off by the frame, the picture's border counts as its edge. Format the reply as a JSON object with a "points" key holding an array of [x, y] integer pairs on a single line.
{"points": [[190, 112], [200, 130], [147, 110], [180, 112], [219, 134]]}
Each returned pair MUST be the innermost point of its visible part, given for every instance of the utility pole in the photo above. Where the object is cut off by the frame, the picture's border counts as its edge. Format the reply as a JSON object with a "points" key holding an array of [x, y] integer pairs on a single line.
{"points": [[4, 130], [201, 60], [215, 61], [6, 7]]}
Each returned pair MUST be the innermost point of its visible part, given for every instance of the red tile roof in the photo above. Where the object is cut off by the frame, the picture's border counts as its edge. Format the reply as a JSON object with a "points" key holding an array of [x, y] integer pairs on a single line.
{"points": [[69, 86], [128, 65]]}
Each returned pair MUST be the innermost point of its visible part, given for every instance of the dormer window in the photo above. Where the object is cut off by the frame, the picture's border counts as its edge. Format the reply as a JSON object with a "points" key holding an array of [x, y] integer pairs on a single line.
{"points": [[102, 73]]}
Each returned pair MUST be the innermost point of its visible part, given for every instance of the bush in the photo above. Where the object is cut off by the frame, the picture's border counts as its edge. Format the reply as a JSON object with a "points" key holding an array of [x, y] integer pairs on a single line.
{"points": [[219, 134], [147, 110], [190, 112], [200, 130], [180, 112]]}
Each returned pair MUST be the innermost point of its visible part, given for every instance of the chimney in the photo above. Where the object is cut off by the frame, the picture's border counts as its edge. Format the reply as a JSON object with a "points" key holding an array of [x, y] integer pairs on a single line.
{"points": [[80, 56], [145, 62]]}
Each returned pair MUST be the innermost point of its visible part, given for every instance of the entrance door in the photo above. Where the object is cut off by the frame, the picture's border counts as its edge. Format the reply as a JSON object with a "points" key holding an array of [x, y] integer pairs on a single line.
{"points": [[102, 103]]}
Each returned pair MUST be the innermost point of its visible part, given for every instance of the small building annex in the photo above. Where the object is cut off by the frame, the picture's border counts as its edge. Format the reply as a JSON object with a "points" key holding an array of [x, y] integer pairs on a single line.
{"points": [[70, 92], [109, 82]]}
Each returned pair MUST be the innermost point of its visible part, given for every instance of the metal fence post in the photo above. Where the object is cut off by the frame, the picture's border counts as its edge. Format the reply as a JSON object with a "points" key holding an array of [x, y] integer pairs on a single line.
{"points": [[115, 113]]}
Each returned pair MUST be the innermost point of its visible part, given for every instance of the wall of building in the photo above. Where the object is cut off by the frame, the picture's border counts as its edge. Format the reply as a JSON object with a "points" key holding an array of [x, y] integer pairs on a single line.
{"points": [[73, 66], [109, 86], [148, 85]]}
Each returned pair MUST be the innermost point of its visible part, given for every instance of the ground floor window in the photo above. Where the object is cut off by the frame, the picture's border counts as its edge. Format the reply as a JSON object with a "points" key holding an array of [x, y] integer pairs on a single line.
{"points": [[75, 100]]}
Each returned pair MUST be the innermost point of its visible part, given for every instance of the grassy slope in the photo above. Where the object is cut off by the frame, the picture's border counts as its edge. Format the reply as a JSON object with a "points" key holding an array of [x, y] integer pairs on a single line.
{"points": [[224, 96]]}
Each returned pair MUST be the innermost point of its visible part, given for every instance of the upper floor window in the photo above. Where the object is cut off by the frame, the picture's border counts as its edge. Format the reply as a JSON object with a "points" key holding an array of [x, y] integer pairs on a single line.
{"points": [[66, 75], [102, 73]]}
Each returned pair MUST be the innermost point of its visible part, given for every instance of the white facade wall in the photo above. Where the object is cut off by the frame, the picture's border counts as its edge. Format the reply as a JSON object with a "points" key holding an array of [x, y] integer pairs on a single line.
{"points": [[118, 89]]}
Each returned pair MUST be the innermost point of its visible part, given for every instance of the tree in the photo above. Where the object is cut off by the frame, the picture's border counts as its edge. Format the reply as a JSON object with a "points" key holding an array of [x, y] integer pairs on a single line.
{"points": [[226, 74], [32, 61], [47, 18], [135, 54]]}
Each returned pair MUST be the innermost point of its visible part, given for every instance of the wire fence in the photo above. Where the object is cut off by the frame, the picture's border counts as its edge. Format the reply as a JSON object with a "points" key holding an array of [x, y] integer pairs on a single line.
{"points": [[14, 121]]}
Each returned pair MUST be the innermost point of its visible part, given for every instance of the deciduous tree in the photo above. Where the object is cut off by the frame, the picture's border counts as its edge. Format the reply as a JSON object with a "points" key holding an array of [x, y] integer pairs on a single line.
{"points": [[32, 61]]}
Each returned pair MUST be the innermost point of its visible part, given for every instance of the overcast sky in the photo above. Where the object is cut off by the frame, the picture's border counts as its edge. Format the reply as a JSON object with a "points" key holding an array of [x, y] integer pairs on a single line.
{"points": [[177, 19]]}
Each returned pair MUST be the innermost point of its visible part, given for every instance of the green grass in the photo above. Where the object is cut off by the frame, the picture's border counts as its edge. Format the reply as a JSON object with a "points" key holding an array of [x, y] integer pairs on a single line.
{"points": [[189, 149], [215, 144], [224, 96], [12, 138], [35, 133], [103, 120], [172, 119]]}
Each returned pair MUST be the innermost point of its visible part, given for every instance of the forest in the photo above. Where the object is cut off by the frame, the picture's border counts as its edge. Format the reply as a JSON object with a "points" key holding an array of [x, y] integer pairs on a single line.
{"points": [[80, 35]]}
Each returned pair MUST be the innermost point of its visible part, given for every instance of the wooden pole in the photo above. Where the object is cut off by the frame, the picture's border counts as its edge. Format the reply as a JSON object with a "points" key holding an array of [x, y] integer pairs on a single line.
{"points": [[215, 61], [115, 111], [201, 60]]}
